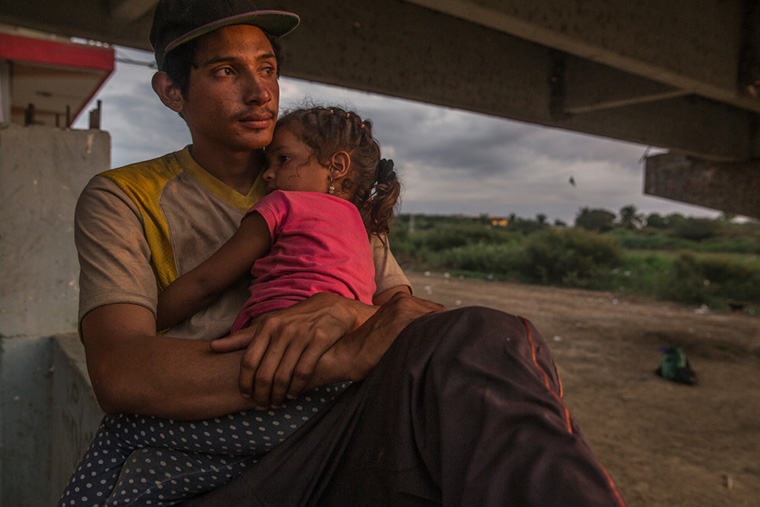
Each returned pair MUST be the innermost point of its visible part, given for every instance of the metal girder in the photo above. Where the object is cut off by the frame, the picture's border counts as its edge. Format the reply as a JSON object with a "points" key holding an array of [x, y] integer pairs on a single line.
{"points": [[111, 21], [432, 57], [733, 188], [694, 45], [749, 53], [130, 10], [590, 86], [678, 75]]}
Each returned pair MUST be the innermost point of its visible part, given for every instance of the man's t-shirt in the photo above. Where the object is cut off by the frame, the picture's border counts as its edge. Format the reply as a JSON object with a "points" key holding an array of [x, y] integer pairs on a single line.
{"points": [[139, 227]]}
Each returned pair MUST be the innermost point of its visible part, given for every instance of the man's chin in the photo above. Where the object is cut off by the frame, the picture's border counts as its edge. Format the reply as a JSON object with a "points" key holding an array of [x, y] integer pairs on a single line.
{"points": [[255, 143]]}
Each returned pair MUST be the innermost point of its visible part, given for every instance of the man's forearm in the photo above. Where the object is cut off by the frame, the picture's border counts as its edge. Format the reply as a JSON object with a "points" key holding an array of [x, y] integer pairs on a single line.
{"points": [[134, 371]]}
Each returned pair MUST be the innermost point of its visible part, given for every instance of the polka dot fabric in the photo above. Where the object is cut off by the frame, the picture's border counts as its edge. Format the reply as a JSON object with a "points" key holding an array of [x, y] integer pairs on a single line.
{"points": [[139, 460]]}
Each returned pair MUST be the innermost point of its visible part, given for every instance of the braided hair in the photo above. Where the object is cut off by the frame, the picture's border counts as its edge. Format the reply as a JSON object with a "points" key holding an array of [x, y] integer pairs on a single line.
{"points": [[371, 184]]}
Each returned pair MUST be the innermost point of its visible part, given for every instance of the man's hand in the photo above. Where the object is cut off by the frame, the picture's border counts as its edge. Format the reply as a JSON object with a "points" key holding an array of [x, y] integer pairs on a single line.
{"points": [[352, 357], [283, 347]]}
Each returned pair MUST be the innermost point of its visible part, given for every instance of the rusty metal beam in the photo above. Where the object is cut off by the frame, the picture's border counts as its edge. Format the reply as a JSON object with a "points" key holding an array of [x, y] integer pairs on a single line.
{"points": [[729, 187]]}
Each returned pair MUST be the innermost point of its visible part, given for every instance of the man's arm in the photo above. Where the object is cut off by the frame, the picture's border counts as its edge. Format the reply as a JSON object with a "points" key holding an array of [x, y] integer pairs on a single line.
{"points": [[134, 371], [324, 339], [381, 298], [284, 358]]}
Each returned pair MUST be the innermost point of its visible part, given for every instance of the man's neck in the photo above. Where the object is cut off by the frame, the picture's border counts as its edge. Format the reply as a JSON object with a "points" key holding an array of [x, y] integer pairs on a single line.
{"points": [[238, 170]]}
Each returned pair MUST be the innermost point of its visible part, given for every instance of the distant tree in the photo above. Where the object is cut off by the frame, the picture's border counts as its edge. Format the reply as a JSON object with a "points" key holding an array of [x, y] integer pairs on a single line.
{"points": [[559, 223], [526, 225], [600, 220], [630, 218], [674, 219], [657, 221], [697, 229]]}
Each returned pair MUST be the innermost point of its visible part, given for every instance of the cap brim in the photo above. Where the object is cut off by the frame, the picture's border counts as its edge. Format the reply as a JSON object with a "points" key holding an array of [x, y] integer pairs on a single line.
{"points": [[277, 23]]}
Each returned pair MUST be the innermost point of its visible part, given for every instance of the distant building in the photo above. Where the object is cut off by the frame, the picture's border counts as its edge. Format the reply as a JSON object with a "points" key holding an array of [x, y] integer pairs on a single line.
{"points": [[48, 80]]}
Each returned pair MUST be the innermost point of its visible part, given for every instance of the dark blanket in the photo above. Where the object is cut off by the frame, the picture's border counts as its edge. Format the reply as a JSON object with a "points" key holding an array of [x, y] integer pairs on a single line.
{"points": [[465, 408]]}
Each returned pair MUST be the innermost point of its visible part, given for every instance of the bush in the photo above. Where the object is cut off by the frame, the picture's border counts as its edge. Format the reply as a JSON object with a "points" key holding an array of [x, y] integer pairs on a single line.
{"points": [[684, 282], [569, 257], [731, 279], [496, 259], [647, 240], [710, 280], [575, 257], [737, 245], [639, 272], [444, 238], [696, 229]]}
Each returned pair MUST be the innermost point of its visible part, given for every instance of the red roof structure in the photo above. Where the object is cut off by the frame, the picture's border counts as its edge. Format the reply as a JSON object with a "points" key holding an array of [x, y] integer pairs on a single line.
{"points": [[49, 80]]}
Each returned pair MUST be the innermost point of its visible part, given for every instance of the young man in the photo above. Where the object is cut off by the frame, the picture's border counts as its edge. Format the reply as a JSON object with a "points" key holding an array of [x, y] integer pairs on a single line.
{"points": [[462, 408], [140, 226]]}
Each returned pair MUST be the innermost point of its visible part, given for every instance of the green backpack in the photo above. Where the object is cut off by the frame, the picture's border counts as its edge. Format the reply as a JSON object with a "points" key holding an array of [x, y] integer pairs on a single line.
{"points": [[675, 367]]}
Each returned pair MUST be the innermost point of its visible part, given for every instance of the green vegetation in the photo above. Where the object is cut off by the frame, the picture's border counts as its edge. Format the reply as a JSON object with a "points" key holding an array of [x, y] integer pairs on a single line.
{"points": [[697, 261]]}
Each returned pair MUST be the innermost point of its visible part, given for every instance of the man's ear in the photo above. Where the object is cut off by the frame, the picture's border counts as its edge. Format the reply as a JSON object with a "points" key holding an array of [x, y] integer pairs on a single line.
{"points": [[339, 165], [167, 91]]}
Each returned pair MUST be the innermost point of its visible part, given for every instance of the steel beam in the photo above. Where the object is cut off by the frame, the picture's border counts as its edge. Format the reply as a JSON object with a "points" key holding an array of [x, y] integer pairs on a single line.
{"points": [[593, 87], [732, 188], [405, 50], [694, 45], [665, 74]]}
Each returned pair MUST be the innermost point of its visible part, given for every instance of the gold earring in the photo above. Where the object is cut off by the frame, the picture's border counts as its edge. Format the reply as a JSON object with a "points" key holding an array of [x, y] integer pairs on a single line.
{"points": [[331, 188]]}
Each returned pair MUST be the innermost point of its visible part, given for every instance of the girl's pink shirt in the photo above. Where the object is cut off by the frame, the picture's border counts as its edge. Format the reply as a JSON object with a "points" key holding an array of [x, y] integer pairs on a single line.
{"points": [[319, 244]]}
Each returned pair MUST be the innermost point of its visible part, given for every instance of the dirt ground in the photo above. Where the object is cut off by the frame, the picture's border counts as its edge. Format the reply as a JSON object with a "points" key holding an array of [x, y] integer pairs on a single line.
{"points": [[664, 444]]}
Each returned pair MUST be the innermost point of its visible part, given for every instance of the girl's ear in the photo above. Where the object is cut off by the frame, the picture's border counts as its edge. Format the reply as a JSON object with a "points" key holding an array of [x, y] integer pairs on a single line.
{"points": [[167, 91], [339, 165]]}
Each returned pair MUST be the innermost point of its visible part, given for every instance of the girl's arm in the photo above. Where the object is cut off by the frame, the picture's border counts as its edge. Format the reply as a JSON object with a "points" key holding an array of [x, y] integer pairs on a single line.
{"points": [[197, 288]]}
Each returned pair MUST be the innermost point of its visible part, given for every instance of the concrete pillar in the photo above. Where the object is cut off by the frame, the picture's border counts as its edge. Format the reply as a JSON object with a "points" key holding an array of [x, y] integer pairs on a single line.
{"points": [[42, 172]]}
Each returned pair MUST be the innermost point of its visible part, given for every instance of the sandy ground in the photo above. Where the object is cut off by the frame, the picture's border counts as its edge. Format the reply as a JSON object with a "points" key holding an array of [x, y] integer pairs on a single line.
{"points": [[664, 444]]}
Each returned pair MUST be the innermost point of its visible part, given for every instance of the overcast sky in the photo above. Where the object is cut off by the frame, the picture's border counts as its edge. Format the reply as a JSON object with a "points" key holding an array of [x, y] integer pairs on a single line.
{"points": [[450, 161]]}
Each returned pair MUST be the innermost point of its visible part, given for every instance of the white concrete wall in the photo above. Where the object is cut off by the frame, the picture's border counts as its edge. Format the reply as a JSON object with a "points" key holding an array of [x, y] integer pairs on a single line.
{"points": [[42, 172]]}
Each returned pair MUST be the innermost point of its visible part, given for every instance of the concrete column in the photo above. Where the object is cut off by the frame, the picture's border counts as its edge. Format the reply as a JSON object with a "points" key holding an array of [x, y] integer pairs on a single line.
{"points": [[42, 172]]}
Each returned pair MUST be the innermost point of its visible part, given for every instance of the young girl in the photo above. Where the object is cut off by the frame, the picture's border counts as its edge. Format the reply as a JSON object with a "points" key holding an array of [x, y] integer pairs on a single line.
{"points": [[328, 190]]}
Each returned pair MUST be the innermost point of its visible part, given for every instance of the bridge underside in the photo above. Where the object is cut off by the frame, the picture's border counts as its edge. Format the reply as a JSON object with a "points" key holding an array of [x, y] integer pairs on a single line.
{"points": [[683, 75]]}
